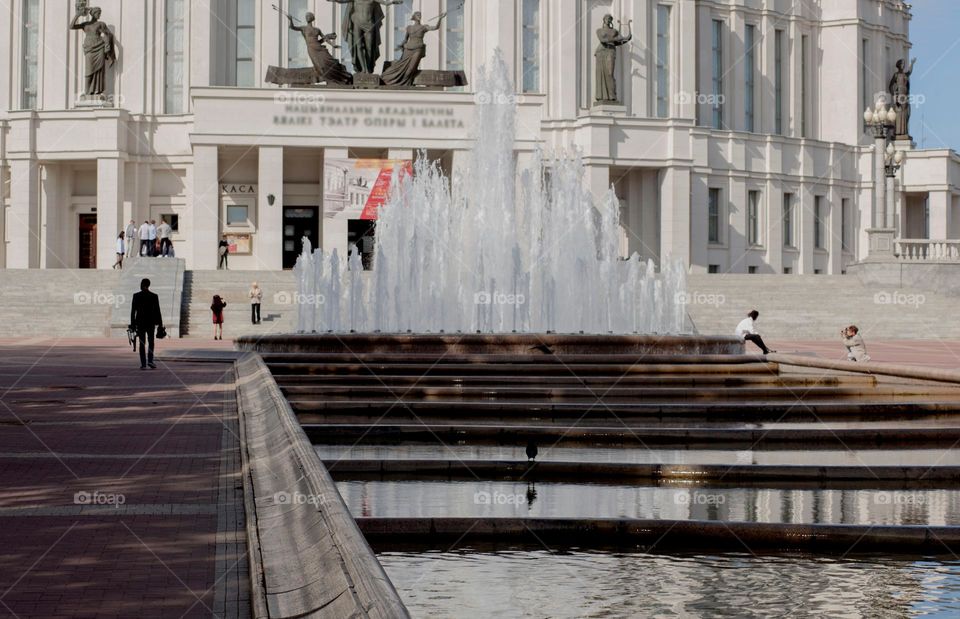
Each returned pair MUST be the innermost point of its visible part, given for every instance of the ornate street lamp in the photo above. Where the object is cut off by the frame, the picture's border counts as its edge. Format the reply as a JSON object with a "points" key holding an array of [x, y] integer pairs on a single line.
{"points": [[887, 162]]}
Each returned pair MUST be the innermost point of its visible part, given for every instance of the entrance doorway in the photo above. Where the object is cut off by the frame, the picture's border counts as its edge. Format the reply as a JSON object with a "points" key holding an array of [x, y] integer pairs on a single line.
{"points": [[360, 235], [299, 222], [88, 242]]}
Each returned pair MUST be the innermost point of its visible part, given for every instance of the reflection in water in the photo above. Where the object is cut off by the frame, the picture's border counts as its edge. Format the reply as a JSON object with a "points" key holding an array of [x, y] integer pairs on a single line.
{"points": [[539, 583], [500, 499], [831, 457]]}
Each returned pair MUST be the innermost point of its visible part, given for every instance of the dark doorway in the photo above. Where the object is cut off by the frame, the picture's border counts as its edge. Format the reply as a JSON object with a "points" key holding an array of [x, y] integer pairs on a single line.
{"points": [[360, 237], [299, 222], [88, 241]]}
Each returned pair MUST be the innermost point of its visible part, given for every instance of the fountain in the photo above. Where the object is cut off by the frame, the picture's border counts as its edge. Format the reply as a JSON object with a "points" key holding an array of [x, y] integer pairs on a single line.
{"points": [[486, 254]]}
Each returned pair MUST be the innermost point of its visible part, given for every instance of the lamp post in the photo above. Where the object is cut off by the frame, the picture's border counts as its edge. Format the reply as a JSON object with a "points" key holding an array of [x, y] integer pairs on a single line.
{"points": [[887, 162], [892, 162]]}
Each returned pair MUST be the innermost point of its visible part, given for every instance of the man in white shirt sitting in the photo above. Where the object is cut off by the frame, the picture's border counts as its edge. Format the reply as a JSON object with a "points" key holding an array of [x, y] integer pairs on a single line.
{"points": [[747, 331]]}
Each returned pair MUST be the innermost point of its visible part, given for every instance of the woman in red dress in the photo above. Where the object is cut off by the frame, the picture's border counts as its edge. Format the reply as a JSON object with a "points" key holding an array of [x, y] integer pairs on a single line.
{"points": [[217, 309]]}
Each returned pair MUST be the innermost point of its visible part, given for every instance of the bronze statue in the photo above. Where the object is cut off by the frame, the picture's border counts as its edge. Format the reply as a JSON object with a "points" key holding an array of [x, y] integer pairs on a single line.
{"points": [[900, 96], [606, 54], [403, 71], [327, 68], [98, 50], [362, 31]]}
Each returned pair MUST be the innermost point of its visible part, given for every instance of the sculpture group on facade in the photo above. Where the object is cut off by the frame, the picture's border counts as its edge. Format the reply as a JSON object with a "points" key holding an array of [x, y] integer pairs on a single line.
{"points": [[99, 48], [363, 20]]}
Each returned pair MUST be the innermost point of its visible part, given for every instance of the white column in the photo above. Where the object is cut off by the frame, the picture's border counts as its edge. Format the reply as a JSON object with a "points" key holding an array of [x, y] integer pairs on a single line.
{"points": [[23, 215], [598, 182], [269, 246], [773, 222], [201, 42], [737, 230], [834, 239], [675, 213], [806, 224], [334, 230], [109, 209], [55, 246], [205, 231]]}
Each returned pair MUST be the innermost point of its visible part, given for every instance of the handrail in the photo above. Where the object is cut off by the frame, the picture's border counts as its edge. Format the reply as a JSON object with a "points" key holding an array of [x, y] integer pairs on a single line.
{"points": [[927, 250]]}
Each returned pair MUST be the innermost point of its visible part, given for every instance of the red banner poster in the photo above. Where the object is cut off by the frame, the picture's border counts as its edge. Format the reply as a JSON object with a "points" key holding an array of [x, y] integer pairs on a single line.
{"points": [[381, 190]]}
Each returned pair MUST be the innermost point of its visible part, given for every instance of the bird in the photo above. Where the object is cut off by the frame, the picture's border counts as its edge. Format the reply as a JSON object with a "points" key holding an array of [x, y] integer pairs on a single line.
{"points": [[532, 451]]}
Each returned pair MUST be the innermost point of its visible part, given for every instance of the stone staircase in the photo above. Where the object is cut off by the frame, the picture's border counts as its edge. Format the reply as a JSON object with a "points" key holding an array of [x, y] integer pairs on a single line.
{"points": [[278, 312], [166, 281], [817, 306], [57, 302]]}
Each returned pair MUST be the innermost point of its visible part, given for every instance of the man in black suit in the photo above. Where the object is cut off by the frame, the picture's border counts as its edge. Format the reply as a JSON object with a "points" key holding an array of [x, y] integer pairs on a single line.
{"points": [[144, 319]]}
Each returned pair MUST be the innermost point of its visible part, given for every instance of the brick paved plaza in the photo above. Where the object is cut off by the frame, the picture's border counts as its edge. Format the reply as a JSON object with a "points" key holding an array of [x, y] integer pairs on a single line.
{"points": [[120, 488]]}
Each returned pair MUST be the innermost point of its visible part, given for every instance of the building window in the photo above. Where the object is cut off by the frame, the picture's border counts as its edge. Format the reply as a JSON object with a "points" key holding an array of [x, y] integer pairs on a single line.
{"points": [[30, 54], [345, 57], [663, 61], [238, 215], [713, 269], [787, 270], [778, 81], [818, 223], [455, 57], [717, 51], [864, 76], [296, 46], [753, 218], [246, 43], [752, 270], [750, 69], [401, 18], [173, 58], [531, 46], [804, 83], [713, 217], [788, 216], [845, 224]]}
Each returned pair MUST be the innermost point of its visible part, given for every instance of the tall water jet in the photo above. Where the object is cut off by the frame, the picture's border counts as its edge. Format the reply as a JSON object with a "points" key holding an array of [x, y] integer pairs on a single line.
{"points": [[472, 255]]}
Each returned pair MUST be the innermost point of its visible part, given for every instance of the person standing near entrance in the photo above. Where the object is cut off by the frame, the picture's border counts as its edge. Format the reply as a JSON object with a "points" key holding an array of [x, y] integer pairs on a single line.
{"points": [[217, 308], [131, 234], [144, 235], [223, 250], [366, 250], [164, 230], [747, 331], [256, 297], [121, 251], [144, 319], [152, 231]]}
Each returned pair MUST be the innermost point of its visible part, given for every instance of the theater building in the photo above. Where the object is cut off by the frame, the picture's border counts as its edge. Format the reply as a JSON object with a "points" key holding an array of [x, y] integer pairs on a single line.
{"points": [[737, 141]]}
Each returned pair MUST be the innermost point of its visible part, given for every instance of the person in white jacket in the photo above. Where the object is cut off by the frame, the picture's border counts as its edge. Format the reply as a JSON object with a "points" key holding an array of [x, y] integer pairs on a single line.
{"points": [[121, 250], [747, 331], [256, 297]]}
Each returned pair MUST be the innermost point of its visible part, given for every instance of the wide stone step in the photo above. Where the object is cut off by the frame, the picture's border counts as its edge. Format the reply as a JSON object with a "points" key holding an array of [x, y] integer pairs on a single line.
{"points": [[541, 369], [596, 382], [648, 395]]}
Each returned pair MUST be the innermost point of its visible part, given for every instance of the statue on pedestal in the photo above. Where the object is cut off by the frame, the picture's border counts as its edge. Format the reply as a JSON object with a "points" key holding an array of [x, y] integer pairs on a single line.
{"points": [[900, 97], [403, 71], [327, 68], [606, 54], [362, 31], [98, 49]]}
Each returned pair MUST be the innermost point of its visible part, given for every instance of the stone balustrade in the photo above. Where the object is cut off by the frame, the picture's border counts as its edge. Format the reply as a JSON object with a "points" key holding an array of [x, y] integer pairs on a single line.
{"points": [[927, 250]]}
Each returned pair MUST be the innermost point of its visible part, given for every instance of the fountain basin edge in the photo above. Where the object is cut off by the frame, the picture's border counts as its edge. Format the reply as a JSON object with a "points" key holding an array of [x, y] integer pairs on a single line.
{"points": [[534, 344]]}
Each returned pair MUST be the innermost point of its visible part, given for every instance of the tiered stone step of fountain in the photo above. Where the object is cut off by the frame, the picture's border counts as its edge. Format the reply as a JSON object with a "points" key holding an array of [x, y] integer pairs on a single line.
{"points": [[413, 438]]}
